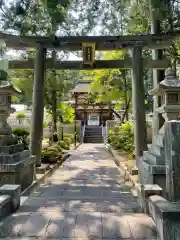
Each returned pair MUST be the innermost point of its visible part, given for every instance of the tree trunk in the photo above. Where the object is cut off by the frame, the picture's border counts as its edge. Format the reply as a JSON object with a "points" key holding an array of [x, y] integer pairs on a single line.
{"points": [[125, 95], [126, 111]]}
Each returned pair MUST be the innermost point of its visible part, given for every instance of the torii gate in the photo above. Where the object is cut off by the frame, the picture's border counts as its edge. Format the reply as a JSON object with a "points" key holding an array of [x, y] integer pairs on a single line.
{"points": [[102, 43]]}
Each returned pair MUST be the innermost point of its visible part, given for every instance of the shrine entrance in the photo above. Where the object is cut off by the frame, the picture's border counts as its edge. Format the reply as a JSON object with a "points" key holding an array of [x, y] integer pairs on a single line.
{"points": [[93, 120], [88, 46]]}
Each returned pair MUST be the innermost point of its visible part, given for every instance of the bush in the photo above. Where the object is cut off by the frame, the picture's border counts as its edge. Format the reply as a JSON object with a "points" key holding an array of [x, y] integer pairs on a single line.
{"points": [[52, 154], [45, 124], [68, 135], [20, 132], [20, 115], [68, 141], [28, 139], [23, 136], [122, 137], [63, 145]]}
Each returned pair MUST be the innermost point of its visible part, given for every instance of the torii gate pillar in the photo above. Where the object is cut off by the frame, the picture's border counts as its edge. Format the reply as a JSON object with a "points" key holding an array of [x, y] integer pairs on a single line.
{"points": [[138, 94], [38, 104]]}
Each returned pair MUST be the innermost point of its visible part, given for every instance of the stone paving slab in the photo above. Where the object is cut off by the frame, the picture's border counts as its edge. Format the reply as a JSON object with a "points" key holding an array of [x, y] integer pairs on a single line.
{"points": [[86, 198]]}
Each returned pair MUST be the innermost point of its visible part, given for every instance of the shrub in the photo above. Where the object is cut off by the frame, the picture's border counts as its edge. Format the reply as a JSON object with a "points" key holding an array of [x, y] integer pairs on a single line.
{"points": [[28, 139], [122, 137], [45, 124], [57, 146], [20, 132], [63, 145], [20, 115], [22, 135], [68, 141], [52, 154], [68, 135]]}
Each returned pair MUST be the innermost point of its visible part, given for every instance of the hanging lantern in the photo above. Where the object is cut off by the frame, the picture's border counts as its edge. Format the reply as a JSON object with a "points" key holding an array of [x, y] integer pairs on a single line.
{"points": [[88, 50]]}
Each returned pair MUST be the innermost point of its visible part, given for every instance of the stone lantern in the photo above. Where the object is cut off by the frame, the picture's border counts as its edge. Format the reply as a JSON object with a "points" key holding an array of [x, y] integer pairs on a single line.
{"points": [[152, 169], [17, 166], [6, 92], [169, 91]]}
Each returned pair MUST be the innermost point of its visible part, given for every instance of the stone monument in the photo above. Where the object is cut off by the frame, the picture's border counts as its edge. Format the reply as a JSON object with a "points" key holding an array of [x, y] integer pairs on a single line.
{"points": [[152, 167], [16, 164], [172, 159]]}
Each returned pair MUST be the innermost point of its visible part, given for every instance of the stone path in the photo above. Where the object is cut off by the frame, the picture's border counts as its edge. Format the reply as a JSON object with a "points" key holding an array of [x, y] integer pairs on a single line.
{"points": [[84, 199]]}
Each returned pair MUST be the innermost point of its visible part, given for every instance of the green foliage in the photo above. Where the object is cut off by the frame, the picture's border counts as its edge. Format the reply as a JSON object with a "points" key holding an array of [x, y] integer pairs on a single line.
{"points": [[51, 154], [45, 124], [122, 137], [20, 115], [28, 140], [68, 140], [20, 132], [23, 136], [23, 80], [64, 145], [66, 113]]}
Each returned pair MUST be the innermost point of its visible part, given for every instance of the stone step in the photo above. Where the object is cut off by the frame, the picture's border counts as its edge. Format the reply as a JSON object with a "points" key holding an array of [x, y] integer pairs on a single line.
{"points": [[156, 150], [123, 196], [93, 133], [93, 136], [153, 158], [93, 141], [160, 140]]}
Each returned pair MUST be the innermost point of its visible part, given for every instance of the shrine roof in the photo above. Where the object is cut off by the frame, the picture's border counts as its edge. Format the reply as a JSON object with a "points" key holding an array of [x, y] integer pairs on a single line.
{"points": [[82, 86]]}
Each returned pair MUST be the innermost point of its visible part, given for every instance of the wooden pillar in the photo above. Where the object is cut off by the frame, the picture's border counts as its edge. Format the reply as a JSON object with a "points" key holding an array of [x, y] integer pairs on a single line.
{"points": [[38, 104], [138, 95]]}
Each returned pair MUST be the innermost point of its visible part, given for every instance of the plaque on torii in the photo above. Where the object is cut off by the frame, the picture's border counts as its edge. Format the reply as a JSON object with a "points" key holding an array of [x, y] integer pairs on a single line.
{"points": [[88, 50]]}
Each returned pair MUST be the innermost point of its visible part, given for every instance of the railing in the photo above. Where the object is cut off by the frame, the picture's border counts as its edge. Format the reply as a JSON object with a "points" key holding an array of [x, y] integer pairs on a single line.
{"points": [[82, 133], [104, 133], [15, 121]]}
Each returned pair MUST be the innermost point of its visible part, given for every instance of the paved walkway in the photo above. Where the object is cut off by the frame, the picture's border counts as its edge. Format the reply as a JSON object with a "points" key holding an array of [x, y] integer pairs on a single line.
{"points": [[84, 199]]}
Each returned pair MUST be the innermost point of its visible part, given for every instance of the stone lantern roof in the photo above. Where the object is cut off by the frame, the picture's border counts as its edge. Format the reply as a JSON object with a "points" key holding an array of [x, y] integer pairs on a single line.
{"points": [[170, 83], [7, 86]]}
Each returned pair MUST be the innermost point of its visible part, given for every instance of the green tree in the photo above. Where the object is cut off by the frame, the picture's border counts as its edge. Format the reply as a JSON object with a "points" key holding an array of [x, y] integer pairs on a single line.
{"points": [[56, 90], [23, 80]]}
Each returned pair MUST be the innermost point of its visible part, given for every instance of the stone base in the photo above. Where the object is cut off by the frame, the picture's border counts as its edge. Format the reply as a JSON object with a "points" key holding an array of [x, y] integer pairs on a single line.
{"points": [[144, 192], [152, 174], [21, 173], [5, 206], [14, 191], [166, 215]]}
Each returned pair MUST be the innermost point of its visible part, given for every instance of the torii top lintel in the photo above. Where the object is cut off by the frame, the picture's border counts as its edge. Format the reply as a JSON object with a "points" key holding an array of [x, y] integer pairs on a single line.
{"points": [[103, 43]]}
